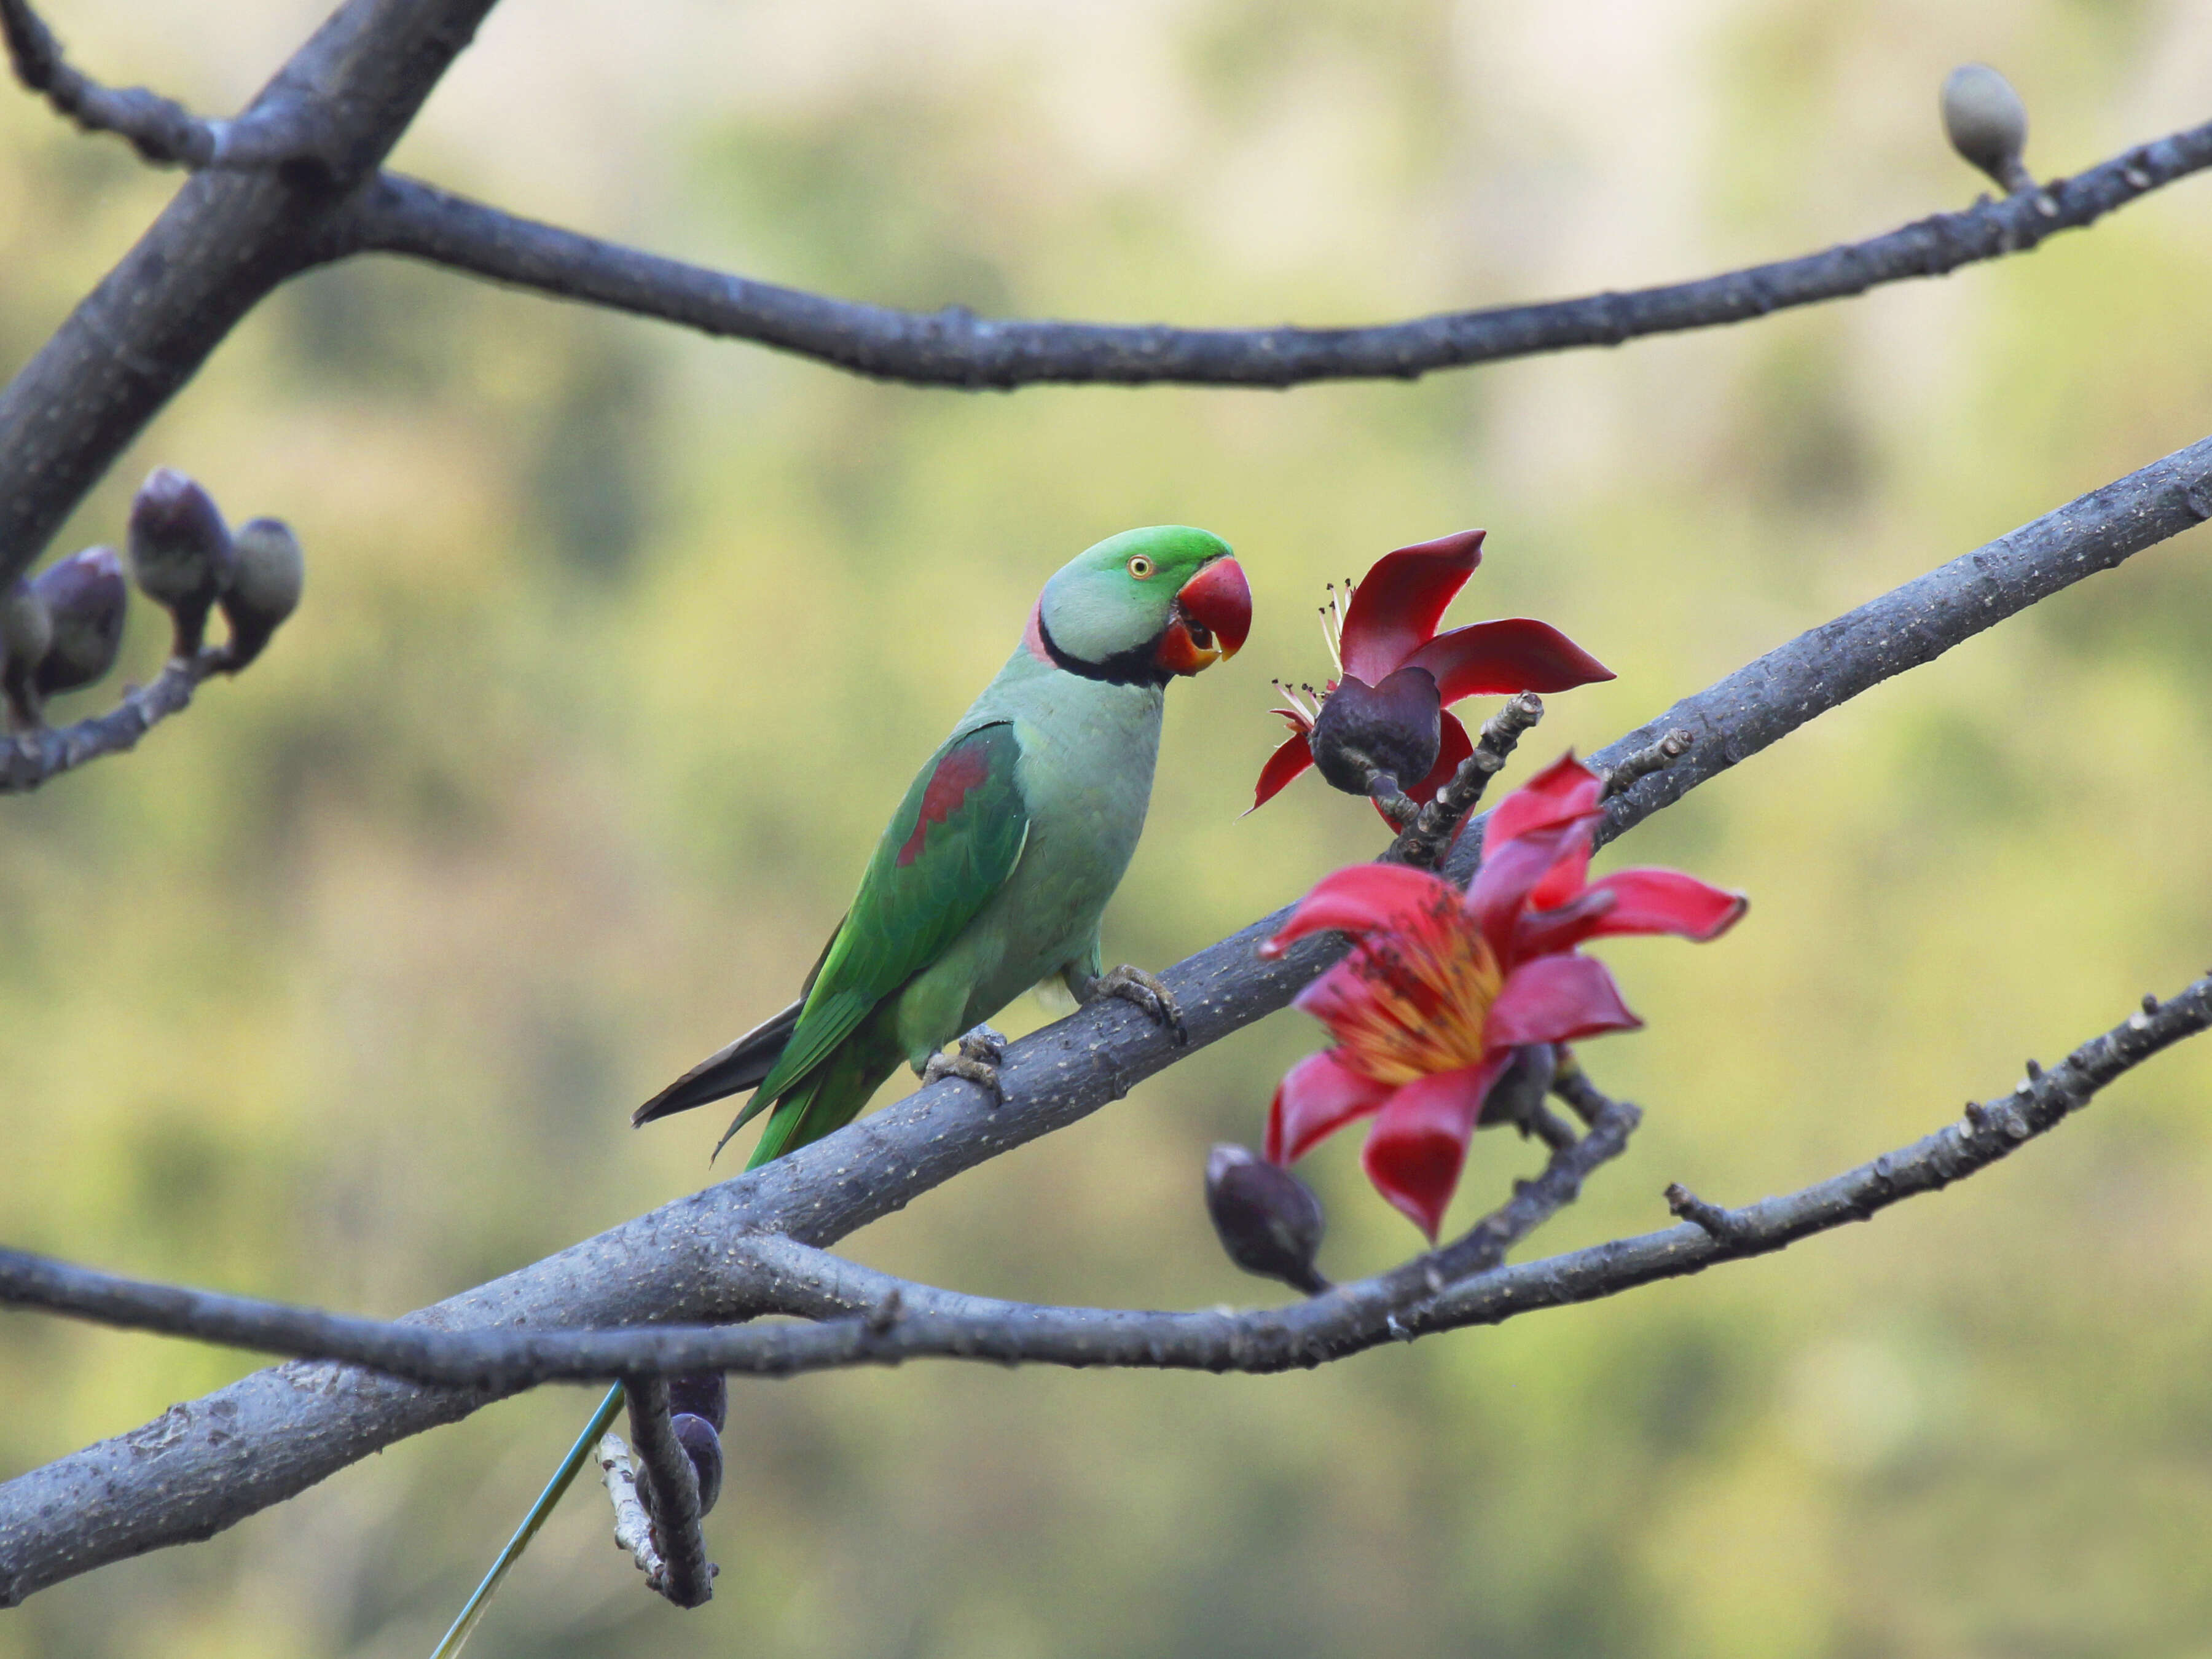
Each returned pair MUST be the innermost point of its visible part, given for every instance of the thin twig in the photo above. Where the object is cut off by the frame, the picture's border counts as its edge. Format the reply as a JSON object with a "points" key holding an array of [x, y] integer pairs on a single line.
{"points": [[1424, 842], [28, 759], [1458, 1286], [211, 1462], [956, 348], [672, 1493], [633, 1524], [1652, 757], [871, 1318], [161, 130]]}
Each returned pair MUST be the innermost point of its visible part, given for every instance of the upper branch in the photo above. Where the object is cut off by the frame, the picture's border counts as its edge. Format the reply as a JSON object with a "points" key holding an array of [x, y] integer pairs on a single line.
{"points": [[955, 347], [226, 239], [209, 1464]]}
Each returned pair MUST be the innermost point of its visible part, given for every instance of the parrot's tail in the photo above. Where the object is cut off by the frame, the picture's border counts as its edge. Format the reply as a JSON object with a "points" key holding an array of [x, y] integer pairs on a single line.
{"points": [[725, 1072]]}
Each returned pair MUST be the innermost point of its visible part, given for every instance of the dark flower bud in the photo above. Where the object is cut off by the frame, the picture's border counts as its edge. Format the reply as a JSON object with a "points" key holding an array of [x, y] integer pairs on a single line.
{"points": [[87, 597], [264, 587], [27, 631], [1987, 123], [181, 551], [702, 1394], [1520, 1090], [1268, 1220], [1365, 730], [703, 1446]]}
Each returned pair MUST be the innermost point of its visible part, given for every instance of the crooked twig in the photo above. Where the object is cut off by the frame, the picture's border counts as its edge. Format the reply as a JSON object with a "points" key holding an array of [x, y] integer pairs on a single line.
{"points": [[1423, 842], [955, 347], [28, 759], [161, 130], [671, 1488]]}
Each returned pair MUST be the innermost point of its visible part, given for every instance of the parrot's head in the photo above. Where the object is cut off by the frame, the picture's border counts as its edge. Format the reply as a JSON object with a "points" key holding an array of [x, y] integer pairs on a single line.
{"points": [[1144, 605]]}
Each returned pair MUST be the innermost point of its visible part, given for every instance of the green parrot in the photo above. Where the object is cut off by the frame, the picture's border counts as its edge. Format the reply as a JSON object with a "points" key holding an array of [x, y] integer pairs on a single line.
{"points": [[992, 873], [990, 878]]}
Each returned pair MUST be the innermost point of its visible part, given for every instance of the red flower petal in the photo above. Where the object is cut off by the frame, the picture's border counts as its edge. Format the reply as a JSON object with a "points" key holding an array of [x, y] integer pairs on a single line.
{"points": [[1362, 898], [1510, 871], [1397, 605], [1638, 901], [1556, 999], [1284, 764], [1418, 1146], [1496, 658], [1563, 790], [1317, 1098]]}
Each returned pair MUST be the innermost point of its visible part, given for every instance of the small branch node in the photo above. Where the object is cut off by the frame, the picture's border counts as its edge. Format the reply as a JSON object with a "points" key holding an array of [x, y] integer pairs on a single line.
{"points": [[1652, 757], [1725, 1225]]}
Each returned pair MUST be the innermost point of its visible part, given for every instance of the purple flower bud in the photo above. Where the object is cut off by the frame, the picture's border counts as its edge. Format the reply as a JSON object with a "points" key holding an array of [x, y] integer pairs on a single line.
{"points": [[264, 587], [1267, 1219], [1363, 730], [87, 597], [27, 632], [181, 551], [703, 1446], [1521, 1088], [702, 1394]]}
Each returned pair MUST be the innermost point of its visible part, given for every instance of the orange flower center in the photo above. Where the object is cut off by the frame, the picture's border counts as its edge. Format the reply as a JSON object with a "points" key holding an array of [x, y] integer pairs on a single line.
{"points": [[1430, 987]]}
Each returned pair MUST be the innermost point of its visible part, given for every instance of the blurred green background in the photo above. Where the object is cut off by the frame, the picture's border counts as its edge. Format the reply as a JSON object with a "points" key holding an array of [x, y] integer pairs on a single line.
{"points": [[619, 646]]}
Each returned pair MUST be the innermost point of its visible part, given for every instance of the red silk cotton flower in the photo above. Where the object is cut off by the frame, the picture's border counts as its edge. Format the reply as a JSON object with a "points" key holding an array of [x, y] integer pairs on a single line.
{"points": [[1442, 988], [1382, 635]]}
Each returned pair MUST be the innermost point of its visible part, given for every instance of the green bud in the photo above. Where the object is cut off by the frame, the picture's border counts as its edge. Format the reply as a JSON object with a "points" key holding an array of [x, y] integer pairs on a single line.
{"points": [[87, 597], [1987, 123], [264, 587], [180, 552]]}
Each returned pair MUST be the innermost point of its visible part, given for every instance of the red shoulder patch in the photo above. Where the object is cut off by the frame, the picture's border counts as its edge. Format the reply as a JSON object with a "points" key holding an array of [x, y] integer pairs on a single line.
{"points": [[960, 770]]}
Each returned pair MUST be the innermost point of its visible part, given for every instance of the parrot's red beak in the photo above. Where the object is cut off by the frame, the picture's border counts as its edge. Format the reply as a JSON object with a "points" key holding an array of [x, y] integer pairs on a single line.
{"points": [[1213, 619]]}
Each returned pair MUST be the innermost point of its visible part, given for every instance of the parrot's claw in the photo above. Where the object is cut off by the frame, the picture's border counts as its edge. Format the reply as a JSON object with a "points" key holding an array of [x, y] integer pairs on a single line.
{"points": [[981, 1051], [1147, 991]]}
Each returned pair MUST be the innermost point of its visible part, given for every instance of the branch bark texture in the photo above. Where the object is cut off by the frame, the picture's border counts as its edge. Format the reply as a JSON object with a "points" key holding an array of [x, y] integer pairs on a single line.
{"points": [[956, 348], [208, 1464], [225, 240]]}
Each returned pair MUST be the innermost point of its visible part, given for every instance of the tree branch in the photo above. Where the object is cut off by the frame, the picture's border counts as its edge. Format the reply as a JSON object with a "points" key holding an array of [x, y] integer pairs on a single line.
{"points": [[873, 1318], [223, 242], [672, 1492], [161, 130], [954, 347], [28, 759], [876, 1319], [209, 1463]]}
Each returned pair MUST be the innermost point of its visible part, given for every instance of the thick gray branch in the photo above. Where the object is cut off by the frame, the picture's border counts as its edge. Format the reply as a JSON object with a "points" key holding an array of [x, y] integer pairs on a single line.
{"points": [[955, 347], [209, 1464]]}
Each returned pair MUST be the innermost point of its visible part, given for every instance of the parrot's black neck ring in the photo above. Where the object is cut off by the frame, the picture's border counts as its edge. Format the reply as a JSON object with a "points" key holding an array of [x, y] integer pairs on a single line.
{"points": [[1138, 665]]}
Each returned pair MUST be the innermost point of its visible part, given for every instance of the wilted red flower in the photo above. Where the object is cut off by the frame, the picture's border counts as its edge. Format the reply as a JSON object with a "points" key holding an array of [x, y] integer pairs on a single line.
{"points": [[1442, 988], [1387, 623]]}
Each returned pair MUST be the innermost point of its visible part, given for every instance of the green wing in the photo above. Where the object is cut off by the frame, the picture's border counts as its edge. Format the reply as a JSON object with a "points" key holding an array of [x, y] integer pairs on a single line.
{"points": [[952, 844]]}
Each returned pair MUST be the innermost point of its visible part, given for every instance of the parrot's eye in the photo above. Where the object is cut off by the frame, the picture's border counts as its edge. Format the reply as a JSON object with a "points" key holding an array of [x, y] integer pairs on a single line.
{"points": [[1141, 567]]}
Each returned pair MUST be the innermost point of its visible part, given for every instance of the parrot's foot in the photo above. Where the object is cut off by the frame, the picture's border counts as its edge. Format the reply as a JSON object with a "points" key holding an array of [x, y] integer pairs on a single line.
{"points": [[981, 1051], [1146, 990]]}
